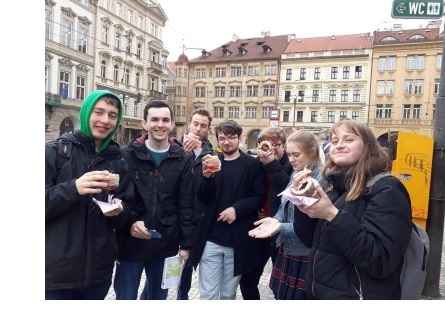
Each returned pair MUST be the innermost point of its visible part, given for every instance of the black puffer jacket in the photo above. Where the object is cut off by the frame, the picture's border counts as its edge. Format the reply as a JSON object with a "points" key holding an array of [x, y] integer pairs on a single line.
{"points": [[80, 242], [163, 200], [361, 250]]}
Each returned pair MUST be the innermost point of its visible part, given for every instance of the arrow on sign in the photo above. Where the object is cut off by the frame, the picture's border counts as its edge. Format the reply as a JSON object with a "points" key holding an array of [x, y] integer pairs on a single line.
{"points": [[401, 8]]}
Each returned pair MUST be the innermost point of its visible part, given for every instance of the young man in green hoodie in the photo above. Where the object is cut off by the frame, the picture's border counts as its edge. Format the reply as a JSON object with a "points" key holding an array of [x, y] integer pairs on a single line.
{"points": [[80, 240]]}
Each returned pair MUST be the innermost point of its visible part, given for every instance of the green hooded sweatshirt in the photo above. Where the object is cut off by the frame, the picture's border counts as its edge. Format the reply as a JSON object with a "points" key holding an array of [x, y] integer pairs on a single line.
{"points": [[87, 108]]}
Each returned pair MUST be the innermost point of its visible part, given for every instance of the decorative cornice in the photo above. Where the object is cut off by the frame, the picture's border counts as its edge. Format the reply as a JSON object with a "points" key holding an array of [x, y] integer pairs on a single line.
{"points": [[106, 21], [119, 27], [68, 12], [84, 20], [66, 63], [48, 57], [50, 3]]}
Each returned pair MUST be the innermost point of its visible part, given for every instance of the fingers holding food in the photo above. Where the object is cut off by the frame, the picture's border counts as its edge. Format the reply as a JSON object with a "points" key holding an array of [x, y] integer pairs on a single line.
{"points": [[266, 148]]}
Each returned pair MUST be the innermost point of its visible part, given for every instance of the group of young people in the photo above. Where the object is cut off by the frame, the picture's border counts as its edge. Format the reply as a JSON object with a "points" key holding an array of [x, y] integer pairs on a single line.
{"points": [[226, 222]]}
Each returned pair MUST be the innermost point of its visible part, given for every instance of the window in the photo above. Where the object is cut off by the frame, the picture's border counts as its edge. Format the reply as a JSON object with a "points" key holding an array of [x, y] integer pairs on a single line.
{"points": [[286, 116], [80, 87], [387, 63], [358, 71], [116, 73], [140, 22], [301, 96], [48, 16], [106, 4], [64, 82], [103, 69], [130, 17], [138, 79], [265, 112], [379, 111], [416, 111], [344, 96], [355, 115], [251, 112], [436, 86], [200, 72], [268, 90], [334, 73], [85, 2], [252, 91], [200, 92], [356, 96], [135, 106], [270, 69], [346, 72], [288, 74], [125, 107], [406, 111], [439, 61], [105, 35], [138, 50], [117, 41], [314, 116], [233, 112], [235, 91], [218, 112], [332, 95], [127, 76], [154, 30], [299, 117], [331, 116], [220, 92], [418, 85], [317, 73], [236, 71], [303, 74], [129, 45], [408, 86], [47, 78], [380, 87], [343, 114], [67, 33], [287, 96], [389, 87], [415, 62], [315, 95], [388, 111], [220, 72], [83, 40], [119, 9], [385, 87], [253, 70]]}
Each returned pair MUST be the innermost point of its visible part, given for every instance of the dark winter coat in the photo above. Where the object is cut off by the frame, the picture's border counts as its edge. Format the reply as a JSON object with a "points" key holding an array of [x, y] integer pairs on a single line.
{"points": [[361, 250], [163, 200], [247, 201], [80, 242]]}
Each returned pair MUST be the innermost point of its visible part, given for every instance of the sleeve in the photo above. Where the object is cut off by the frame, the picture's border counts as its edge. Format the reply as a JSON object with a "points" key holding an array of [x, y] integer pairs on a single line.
{"points": [[186, 193], [304, 227], [60, 190], [377, 244]]}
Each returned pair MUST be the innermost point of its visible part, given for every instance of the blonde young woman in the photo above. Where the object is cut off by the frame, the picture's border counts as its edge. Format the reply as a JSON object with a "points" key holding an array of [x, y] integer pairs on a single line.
{"points": [[289, 269]]}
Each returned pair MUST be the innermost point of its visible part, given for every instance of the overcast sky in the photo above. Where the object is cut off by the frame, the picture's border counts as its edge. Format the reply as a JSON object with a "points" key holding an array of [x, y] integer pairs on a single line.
{"points": [[208, 23]]}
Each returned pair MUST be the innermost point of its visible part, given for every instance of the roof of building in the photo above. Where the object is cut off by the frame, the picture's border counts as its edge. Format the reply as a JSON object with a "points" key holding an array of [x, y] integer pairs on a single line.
{"points": [[404, 36], [331, 43], [260, 48]]}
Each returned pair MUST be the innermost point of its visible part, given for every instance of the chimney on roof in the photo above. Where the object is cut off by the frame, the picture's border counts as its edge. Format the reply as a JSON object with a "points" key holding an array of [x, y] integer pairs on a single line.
{"points": [[290, 37], [235, 38], [397, 27]]}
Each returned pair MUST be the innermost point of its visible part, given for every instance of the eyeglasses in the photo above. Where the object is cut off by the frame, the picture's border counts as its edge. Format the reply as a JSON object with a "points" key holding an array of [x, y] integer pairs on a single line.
{"points": [[276, 146], [229, 138]]}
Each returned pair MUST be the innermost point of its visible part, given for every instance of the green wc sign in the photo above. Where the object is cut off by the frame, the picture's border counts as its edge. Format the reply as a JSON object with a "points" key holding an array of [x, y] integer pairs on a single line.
{"points": [[417, 9]]}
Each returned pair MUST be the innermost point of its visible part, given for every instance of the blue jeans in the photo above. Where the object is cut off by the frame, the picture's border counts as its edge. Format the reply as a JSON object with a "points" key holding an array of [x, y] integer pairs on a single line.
{"points": [[128, 278], [97, 292]]}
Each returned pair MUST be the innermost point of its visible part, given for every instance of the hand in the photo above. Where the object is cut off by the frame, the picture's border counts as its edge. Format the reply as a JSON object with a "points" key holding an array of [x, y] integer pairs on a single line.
{"points": [[265, 157], [207, 169], [139, 230], [267, 227], [228, 215], [92, 182], [183, 255], [323, 208], [114, 212], [189, 145]]}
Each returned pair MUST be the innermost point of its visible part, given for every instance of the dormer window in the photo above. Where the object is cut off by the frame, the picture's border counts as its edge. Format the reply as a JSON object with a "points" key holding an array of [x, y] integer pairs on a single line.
{"points": [[226, 52], [241, 51], [416, 37], [266, 49]]}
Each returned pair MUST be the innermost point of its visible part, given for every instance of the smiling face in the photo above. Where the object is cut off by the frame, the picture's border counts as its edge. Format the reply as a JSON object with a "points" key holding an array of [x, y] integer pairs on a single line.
{"points": [[346, 147], [103, 120], [158, 125]]}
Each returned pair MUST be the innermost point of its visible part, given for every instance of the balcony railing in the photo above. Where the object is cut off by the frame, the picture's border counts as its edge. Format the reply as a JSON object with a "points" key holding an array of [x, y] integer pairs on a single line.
{"points": [[52, 99], [157, 95]]}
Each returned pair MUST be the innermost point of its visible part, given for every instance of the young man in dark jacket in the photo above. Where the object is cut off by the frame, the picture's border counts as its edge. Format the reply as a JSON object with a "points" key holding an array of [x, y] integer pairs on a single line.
{"points": [[232, 198], [164, 194], [80, 241]]}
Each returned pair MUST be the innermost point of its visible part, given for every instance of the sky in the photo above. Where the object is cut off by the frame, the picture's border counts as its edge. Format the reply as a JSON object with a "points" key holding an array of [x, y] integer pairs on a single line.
{"points": [[208, 24]]}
